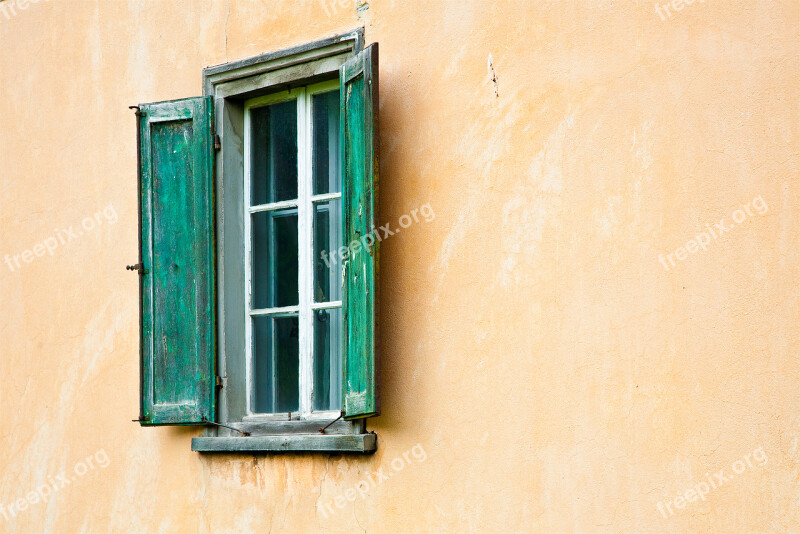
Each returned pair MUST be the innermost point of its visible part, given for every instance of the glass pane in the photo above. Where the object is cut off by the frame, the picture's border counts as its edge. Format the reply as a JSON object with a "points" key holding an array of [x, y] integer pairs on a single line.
{"points": [[276, 364], [273, 152], [274, 276], [327, 172], [327, 241], [328, 359]]}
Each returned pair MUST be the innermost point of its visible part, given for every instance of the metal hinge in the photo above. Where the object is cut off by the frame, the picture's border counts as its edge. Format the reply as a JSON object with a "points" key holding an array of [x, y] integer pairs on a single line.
{"points": [[324, 428], [218, 382], [242, 432], [139, 267], [217, 142]]}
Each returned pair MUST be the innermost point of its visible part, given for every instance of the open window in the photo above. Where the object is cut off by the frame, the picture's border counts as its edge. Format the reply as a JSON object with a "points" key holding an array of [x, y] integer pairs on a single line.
{"points": [[258, 264]]}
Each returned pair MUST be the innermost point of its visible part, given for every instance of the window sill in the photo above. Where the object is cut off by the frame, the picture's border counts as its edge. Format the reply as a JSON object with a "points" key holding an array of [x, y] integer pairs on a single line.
{"points": [[358, 443]]}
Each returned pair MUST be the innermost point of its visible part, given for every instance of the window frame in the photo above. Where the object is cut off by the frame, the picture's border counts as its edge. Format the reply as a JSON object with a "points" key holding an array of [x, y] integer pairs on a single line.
{"points": [[304, 205], [232, 85]]}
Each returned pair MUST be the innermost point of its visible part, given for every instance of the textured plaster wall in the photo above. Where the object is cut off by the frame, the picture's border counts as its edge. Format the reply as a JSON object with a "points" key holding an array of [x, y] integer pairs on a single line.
{"points": [[557, 376]]}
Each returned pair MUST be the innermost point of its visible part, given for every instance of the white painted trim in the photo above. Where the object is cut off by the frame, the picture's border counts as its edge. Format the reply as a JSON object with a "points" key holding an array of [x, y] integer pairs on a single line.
{"points": [[326, 305], [305, 252], [276, 312], [325, 197], [284, 204]]}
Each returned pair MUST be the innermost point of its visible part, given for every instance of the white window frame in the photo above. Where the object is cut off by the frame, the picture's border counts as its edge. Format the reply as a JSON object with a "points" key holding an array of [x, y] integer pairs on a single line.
{"points": [[305, 216]]}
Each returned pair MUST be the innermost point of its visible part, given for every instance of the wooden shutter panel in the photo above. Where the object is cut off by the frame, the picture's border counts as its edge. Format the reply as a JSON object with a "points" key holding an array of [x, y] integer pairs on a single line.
{"points": [[358, 81], [177, 262]]}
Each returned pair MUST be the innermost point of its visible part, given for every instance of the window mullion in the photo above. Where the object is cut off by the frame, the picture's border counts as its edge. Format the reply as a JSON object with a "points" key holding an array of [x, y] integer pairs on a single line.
{"points": [[305, 220]]}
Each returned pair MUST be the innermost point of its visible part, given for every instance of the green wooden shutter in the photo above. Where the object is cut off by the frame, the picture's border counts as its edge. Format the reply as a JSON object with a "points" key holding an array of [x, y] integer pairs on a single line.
{"points": [[177, 262], [358, 81]]}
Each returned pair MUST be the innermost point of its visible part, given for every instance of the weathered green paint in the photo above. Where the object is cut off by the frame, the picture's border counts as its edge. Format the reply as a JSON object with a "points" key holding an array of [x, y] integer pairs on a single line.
{"points": [[358, 79], [178, 339], [363, 443]]}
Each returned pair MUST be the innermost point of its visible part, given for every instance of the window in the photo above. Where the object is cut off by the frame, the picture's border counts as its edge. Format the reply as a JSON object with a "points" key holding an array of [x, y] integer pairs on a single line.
{"points": [[293, 200], [247, 326]]}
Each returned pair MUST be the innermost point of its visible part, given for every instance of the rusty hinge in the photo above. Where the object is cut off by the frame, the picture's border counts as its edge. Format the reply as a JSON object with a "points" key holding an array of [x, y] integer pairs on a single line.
{"points": [[138, 112], [218, 382], [323, 429], [242, 432], [217, 142], [139, 267]]}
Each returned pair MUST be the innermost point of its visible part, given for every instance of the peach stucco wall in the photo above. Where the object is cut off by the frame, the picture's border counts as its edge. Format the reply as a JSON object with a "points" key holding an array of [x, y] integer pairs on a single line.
{"points": [[544, 369]]}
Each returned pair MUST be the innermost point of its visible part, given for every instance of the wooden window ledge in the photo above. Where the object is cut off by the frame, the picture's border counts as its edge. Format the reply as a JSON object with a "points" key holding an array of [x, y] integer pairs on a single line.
{"points": [[358, 443]]}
